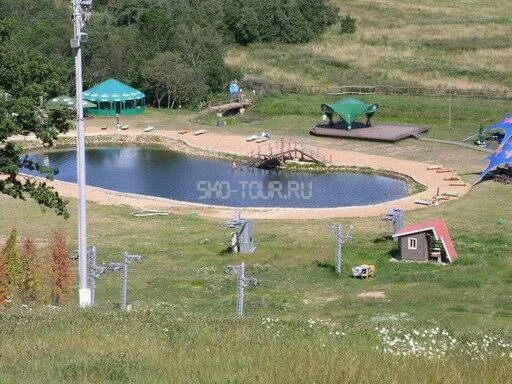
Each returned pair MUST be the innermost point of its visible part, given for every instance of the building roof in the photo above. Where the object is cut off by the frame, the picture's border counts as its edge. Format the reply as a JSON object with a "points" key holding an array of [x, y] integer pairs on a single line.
{"points": [[438, 227], [350, 109], [112, 90]]}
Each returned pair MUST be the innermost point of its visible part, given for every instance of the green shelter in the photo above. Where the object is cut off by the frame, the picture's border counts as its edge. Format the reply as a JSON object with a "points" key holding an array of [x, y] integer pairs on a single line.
{"points": [[113, 97], [65, 101], [350, 110]]}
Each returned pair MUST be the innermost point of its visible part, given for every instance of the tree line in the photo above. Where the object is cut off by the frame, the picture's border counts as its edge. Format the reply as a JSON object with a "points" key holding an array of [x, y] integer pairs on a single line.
{"points": [[172, 50]]}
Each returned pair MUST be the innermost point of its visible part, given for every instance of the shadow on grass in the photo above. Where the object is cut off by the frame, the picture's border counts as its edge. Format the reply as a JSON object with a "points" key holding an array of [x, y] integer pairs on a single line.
{"points": [[325, 265], [383, 239], [227, 251], [394, 253]]}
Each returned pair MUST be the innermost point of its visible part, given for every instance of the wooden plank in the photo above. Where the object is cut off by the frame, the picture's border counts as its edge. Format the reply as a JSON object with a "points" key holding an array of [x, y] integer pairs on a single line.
{"points": [[451, 194], [458, 184], [200, 132]]}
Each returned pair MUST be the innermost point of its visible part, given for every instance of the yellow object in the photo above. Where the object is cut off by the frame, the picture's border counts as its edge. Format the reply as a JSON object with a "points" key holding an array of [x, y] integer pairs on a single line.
{"points": [[363, 271]]}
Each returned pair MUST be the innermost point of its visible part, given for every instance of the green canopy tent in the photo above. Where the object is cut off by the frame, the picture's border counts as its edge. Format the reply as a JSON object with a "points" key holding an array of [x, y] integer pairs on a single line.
{"points": [[114, 97], [350, 110], [66, 102]]}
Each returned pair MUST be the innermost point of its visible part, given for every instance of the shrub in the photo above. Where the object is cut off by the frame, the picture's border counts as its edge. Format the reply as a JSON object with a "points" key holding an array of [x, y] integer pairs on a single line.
{"points": [[13, 271], [2, 278], [347, 24], [60, 267], [32, 284]]}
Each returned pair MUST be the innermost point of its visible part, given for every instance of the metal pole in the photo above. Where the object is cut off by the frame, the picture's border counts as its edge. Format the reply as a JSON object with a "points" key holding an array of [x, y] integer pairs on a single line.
{"points": [[93, 257], [84, 291], [124, 281], [338, 249], [241, 281]]}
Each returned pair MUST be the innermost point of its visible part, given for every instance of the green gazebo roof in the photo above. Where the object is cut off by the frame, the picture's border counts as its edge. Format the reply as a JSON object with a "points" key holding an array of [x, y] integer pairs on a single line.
{"points": [[112, 90], [350, 109], [65, 101]]}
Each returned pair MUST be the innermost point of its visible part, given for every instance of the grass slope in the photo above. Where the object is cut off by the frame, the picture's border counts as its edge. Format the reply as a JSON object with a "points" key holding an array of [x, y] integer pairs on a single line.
{"points": [[183, 327], [462, 44], [295, 114]]}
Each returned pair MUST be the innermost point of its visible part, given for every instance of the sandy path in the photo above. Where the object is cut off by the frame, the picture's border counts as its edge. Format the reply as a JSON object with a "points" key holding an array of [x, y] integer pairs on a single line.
{"points": [[235, 144]]}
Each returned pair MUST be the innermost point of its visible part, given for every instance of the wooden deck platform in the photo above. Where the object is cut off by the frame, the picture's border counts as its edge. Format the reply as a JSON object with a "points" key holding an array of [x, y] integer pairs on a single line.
{"points": [[378, 132]]}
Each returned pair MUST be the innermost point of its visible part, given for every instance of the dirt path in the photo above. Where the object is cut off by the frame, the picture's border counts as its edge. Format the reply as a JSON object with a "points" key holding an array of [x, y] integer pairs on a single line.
{"points": [[235, 144]]}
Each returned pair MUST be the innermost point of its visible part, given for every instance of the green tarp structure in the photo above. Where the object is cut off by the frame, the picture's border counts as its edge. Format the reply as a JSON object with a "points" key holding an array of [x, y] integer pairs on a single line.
{"points": [[350, 110], [65, 101], [114, 97]]}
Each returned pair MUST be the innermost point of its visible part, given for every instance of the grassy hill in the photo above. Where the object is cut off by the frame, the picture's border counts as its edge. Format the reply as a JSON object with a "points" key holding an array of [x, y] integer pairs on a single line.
{"points": [[303, 324], [463, 44]]}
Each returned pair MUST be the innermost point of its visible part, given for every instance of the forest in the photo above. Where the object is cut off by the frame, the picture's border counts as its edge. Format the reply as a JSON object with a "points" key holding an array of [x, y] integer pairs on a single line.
{"points": [[172, 50]]}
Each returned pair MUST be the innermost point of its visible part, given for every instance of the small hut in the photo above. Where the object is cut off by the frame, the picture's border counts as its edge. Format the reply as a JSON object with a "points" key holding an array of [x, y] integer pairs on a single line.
{"points": [[113, 97], [427, 241]]}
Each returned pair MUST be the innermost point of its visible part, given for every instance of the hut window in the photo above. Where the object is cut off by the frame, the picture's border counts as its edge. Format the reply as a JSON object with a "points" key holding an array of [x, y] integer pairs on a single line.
{"points": [[413, 243]]}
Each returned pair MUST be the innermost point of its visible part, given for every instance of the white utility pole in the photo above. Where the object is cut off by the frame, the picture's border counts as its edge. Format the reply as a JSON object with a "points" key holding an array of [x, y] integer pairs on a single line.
{"points": [[79, 19], [340, 240]]}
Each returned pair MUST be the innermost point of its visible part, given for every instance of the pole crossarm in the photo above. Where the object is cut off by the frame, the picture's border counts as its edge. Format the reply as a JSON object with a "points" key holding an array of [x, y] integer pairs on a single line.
{"points": [[243, 237], [96, 271], [395, 216]]}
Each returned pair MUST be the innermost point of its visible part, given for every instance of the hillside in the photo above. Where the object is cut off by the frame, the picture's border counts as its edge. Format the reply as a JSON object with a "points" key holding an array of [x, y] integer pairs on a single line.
{"points": [[464, 44]]}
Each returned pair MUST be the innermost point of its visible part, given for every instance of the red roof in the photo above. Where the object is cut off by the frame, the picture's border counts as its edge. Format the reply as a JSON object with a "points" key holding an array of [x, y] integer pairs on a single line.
{"points": [[438, 226]]}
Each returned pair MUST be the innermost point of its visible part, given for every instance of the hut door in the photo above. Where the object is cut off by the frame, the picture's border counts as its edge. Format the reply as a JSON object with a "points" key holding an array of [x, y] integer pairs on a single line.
{"points": [[118, 107]]}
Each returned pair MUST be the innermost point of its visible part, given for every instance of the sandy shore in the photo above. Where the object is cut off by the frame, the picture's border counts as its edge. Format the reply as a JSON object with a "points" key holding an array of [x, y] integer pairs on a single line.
{"points": [[236, 145]]}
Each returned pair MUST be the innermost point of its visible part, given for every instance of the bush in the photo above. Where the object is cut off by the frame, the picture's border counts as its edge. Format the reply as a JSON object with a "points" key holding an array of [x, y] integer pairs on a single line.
{"points": [[13, 271], [3, 296], [60, 267], [32, 288], [347, 24]]}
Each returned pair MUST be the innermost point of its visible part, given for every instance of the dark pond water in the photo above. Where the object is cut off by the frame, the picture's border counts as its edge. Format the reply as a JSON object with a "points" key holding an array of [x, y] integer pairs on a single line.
{"points": [[159, 172]]}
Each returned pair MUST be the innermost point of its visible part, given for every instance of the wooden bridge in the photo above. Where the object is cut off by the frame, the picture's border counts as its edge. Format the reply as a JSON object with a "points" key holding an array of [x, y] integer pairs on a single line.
{"points": [[224, 106], [272, 155]]}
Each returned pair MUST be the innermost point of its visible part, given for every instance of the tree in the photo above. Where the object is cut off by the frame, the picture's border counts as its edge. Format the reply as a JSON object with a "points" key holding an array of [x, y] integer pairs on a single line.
{"points": [[60, 267], [3, 293], [32, 278], [170, 75], [27, 77], [13, 270], [245, 25], [296, 27]]}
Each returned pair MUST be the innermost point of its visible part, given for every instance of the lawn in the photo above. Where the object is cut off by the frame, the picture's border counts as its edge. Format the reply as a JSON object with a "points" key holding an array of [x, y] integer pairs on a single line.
{"points": [[296, 114]]}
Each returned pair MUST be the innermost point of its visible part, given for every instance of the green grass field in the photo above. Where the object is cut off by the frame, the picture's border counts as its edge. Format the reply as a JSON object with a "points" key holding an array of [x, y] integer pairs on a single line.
{"points": [[303, 323], [459, 44], [296, 114]]}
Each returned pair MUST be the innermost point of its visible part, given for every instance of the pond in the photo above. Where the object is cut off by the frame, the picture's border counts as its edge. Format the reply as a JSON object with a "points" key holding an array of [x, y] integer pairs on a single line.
{"points": [[173, 175]]}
